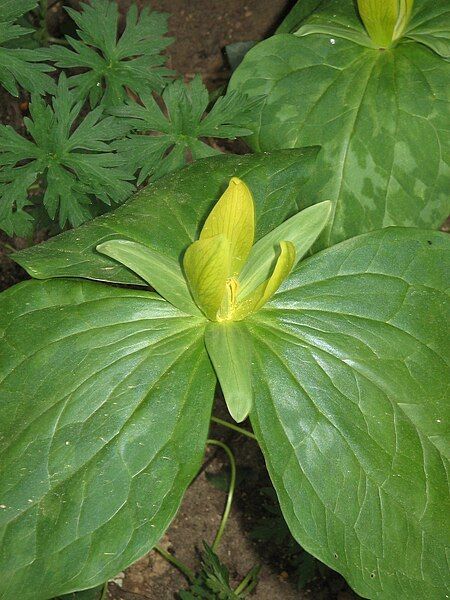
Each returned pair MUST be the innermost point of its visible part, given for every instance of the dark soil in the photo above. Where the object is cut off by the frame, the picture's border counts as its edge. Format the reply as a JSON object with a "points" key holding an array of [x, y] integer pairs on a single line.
{"points": [[202, 29]]}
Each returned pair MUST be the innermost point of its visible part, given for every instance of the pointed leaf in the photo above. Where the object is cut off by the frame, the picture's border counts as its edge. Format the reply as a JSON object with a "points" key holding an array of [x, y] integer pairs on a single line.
{"points": [[207, 266], [161, 272], [234, 217], [230, 351], [301, 230], [105, 398], [351, 401]]}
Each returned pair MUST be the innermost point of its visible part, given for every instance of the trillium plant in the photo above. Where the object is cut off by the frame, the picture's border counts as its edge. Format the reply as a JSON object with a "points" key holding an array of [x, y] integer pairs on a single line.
{"points": [[368, 81], [338, 358], [226, 278]]}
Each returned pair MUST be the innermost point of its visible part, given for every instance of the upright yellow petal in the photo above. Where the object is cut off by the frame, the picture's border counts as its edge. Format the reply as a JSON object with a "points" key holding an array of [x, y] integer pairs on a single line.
{"points": [[234, 217], [207, 265], [267, 289]]}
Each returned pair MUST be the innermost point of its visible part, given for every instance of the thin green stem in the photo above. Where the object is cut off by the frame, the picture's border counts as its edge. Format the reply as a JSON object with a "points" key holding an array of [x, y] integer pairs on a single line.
{"points": [[231, 489], [249, 434], [43, 8], [55, 40], [104, 592], [187, 572], [243, 586], [7, 246]]}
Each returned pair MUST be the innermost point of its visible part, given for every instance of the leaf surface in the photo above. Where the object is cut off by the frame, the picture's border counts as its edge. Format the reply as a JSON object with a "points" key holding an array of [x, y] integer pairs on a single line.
{"points": [[351, 409], [105, 415], [381, 118]]}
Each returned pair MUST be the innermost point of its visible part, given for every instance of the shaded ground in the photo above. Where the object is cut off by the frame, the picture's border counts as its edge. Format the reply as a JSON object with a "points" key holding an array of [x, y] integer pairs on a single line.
{"points": [[202, 28], [198, 519]]}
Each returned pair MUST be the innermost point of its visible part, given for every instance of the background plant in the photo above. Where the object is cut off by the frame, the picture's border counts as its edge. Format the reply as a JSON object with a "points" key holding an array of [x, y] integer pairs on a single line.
{"points": [[176, 133], [378, 107], [114, 63], [20, 66], [74, 162]]}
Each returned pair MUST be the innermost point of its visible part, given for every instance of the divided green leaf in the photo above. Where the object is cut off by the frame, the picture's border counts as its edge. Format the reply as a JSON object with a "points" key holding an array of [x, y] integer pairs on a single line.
{"points": [[213, 581], [20, 66], [175, 134], [114, 63], [70, 156]]}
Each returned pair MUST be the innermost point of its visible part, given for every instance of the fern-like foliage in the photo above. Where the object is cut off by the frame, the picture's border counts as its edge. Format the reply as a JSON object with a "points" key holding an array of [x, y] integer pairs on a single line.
{"points": [[213, 581], [71, 158], [112, 63], [20, 66], [175, 133]]}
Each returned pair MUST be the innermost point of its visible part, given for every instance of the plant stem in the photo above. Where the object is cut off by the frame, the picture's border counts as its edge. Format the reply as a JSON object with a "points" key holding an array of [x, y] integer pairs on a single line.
{"points": [[231, 489], [249, 434], [43, 7], [176, 563], [244, 583], [7, 246], [59, 41], [104, 592]]}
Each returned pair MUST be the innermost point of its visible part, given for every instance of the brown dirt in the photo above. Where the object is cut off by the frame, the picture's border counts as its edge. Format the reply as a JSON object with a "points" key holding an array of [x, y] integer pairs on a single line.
{"points": [[202, 28], [198, 519]]}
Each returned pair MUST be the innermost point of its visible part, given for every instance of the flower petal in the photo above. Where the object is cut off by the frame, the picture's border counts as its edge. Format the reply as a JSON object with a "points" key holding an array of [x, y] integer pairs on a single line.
{"points": [[207, 265], [302, 230], [234, 217]]}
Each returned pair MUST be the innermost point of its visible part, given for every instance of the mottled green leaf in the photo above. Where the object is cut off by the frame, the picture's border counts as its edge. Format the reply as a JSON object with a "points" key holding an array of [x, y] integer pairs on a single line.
{"points": [[381, 117], [105, 397], [351, 409]]}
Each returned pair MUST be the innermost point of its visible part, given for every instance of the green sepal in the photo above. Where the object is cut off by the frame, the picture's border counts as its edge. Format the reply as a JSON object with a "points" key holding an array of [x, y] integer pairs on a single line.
{"points": [[163, 273], [301, 230], [207, 266], [230, 351]]}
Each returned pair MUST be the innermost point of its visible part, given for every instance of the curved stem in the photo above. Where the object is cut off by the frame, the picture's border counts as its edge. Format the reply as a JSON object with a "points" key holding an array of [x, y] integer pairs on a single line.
{"points": [[59, 41], [231, 489], [176, 563], [104, 592], [234, 427]]}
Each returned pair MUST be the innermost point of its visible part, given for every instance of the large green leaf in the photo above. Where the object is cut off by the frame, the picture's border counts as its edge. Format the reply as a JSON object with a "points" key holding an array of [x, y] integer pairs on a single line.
{"points": [[351, 400], [381, 116], [168, 215], [105, 396]]}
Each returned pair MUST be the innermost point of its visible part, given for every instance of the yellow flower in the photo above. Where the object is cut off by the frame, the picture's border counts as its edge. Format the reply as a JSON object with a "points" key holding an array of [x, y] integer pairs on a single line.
{"points": [[215, 265]]}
